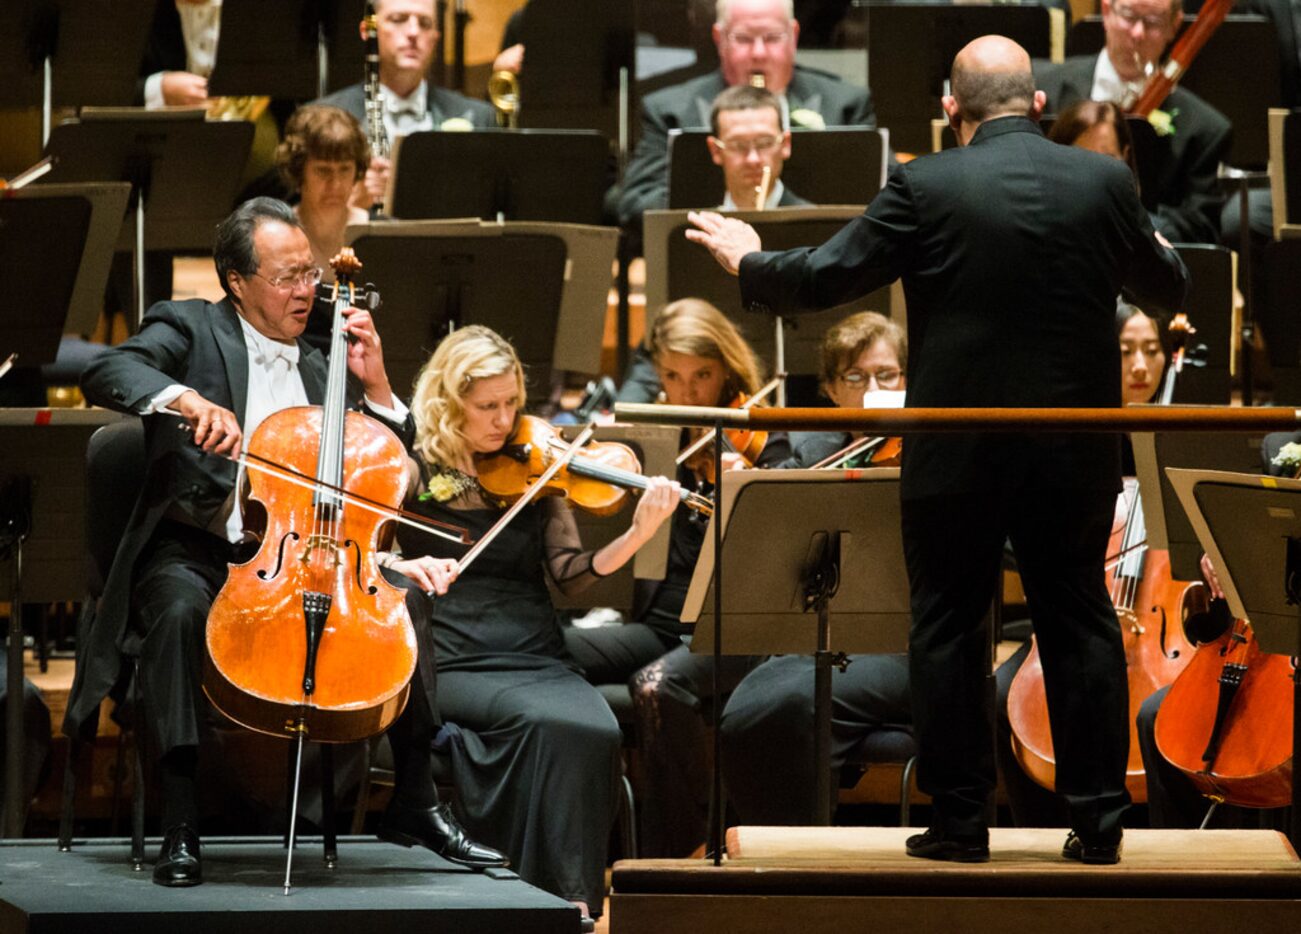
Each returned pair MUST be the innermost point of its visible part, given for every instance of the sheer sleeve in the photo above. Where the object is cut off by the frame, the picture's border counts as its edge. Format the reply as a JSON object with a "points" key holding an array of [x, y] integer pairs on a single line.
{"points": [[568, 564]]}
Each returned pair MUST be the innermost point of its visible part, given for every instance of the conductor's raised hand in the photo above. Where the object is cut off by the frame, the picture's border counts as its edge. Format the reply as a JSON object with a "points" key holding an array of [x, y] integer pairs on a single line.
{"points": [[215, 429], [727, 238]]}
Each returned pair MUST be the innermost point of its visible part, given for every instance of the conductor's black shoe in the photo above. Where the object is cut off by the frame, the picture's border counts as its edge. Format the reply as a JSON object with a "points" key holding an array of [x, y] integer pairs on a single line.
{"points": [[956, 849], [1094, 853], [436, 829], [179, 863]]}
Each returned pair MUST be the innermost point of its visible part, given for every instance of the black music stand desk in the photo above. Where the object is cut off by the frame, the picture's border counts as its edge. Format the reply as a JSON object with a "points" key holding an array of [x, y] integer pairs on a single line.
{"points": [[542, 286], [1250, 527], [838, 165], [514, 175], [269, 49], [838, 555]]}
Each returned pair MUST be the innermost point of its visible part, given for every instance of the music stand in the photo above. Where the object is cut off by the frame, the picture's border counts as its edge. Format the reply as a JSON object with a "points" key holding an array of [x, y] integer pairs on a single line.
{"points": [[514, 175], [269, 49], [542, 286], [185, 172], [1210, 310], [46, 238], [1239, 39], [910, 49], [840, 551], [839, 165], [1284, 171], [677, 268], [580, 63], [657, 450], [1251, 530], [1167, 524], [95, 60], [43, 532]]}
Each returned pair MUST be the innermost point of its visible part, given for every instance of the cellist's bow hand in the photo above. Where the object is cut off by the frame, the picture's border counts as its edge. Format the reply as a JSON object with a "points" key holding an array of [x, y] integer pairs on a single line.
{"points": [[366, 356], [432, 575], [727, 238], [215, 429]]}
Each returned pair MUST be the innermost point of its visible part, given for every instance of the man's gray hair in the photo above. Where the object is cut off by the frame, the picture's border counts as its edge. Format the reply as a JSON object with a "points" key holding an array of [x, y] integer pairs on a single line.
{"points": [[985, 94], [723, 10]]}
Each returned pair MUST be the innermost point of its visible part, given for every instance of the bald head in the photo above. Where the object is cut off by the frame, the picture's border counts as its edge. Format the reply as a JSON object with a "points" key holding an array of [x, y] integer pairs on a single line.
{"points": [[992, 78]]}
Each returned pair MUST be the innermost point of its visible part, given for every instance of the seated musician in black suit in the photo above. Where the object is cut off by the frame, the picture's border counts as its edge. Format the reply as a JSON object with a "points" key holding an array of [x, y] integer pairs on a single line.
{"points": [[408, 32], [222, 369], [754, 38], [1197, 137]]}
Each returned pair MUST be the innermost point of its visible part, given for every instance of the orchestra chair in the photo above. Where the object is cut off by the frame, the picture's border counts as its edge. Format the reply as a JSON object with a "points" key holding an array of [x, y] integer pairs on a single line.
{"points": [[115, 462], [888, 745]]}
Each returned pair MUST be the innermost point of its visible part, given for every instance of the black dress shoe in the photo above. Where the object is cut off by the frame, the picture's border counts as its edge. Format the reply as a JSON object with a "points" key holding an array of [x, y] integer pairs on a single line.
{"points": [[179, 863], [436, 829], [956, 849], [1093, 853]]}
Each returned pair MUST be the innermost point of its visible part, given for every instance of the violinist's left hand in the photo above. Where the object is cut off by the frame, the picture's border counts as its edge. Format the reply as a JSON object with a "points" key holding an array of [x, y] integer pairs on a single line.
{"points": [[366, 357], [434, 575], [657, 503]]}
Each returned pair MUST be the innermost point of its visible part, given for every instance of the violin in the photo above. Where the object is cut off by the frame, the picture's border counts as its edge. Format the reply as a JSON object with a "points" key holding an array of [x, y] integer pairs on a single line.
{"points": [[879, 452], [1148, 603], [1226, 722], [748, 443], [308, 637], [597, 478]]}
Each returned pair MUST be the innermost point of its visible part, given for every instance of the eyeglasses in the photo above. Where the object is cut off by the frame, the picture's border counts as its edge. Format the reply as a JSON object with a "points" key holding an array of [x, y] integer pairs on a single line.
{"points": [[1131, 18], [887, 378], [743, 147], [310, 277], [745, 40]]}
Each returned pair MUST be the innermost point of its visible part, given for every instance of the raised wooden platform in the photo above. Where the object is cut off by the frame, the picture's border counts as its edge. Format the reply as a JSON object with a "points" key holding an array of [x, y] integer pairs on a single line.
{"points": [[859, 879], [377, 887]]}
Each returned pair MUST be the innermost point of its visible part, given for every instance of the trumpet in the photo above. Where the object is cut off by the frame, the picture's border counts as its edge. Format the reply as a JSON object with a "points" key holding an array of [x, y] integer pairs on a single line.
{"points": [[503, 92]]}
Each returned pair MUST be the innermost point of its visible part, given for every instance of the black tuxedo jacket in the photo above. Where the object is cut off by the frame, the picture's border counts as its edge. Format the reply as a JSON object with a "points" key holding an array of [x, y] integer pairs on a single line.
{"points": [[443, 105], [687, 106], [1289, 55], [196, 344], [1012, 251], [1187, 196]]}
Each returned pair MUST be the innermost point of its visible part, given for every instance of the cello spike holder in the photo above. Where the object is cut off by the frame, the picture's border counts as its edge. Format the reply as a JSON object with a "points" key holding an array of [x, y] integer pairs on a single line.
{"points": [[298, 727]]}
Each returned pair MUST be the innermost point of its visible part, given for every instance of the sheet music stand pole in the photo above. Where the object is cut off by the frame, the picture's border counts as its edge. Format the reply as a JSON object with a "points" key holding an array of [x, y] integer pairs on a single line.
{"points": [[718, 825], [820, 586], [1292, 587], [14, 738]]}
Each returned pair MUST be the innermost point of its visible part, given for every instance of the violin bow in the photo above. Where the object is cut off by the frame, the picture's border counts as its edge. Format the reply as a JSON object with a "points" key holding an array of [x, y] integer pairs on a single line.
{"points": [[708, 436], [556, 466]]}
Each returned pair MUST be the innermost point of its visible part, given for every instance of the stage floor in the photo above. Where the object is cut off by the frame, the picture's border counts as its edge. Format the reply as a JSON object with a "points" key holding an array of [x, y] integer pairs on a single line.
{"points": [[377, 887], [858, 879]]}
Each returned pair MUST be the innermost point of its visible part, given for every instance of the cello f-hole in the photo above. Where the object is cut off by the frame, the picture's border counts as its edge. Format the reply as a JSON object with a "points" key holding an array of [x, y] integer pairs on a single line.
{"points": [[280, 559]]}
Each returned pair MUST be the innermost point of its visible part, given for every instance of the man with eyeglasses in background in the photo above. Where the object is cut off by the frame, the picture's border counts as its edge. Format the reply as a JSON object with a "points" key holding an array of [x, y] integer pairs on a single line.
{"points": [[1192, 136], [220, 370], [755, 38], [747, 137]]}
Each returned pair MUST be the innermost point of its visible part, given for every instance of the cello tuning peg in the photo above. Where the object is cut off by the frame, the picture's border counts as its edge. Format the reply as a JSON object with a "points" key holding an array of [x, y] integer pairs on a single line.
{"points": [[373, 300]]}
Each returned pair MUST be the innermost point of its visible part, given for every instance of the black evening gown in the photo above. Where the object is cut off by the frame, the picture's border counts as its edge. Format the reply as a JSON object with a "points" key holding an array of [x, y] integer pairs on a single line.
{"points": [[535, 749]]}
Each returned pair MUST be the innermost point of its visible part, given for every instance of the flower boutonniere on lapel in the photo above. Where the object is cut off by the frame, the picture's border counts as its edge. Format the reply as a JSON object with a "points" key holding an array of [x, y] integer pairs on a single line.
{"points": [[1289, 458], [808, 119], [456, 125], [1163, 121]]}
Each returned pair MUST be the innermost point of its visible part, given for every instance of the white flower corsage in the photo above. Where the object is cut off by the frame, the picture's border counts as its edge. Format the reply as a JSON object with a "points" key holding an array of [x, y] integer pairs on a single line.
{"points": [[456, 125], [1163, 121], [809, 119], [1288, 457]]}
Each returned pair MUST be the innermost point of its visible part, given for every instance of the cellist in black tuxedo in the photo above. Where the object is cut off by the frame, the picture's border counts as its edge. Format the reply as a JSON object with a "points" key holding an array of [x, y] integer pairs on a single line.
{"points": [[223, 368], [1011, 250]]}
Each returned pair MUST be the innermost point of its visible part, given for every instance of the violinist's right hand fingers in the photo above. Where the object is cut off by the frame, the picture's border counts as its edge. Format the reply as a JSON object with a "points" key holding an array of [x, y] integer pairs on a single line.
{"points": [[1212, 579]]}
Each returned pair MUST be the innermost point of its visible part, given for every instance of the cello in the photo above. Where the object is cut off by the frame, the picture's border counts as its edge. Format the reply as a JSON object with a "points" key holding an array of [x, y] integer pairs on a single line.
{"points": [[1151, 608], [307, 638]]}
